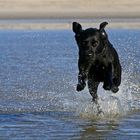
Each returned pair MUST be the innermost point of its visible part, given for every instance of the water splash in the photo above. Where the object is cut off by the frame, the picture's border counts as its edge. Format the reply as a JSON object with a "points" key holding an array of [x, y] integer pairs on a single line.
{"points": [[109, 104]]}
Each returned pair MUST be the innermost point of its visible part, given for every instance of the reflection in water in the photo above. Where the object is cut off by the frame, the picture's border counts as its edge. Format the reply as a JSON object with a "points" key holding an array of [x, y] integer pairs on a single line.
{"points": [[99, 130]]}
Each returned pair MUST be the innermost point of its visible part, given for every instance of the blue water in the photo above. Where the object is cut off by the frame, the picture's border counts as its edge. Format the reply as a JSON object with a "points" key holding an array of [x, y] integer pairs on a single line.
{"points": [[38, 76]]}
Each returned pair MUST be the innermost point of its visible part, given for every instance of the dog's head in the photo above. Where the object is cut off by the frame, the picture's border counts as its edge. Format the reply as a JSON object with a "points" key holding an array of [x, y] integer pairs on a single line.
{"points": [[90, 41]]}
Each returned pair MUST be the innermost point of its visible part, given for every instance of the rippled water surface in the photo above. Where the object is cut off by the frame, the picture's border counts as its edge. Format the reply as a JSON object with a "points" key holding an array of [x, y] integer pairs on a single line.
{"points": [[38, 76]]}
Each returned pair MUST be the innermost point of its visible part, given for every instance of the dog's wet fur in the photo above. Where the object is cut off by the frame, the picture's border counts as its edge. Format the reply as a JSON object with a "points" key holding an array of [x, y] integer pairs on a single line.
{"points": [[98, 60]]}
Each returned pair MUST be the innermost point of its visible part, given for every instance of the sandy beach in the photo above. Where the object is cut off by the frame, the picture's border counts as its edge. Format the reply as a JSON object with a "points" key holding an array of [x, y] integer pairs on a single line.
{"points": [[69, 9]]}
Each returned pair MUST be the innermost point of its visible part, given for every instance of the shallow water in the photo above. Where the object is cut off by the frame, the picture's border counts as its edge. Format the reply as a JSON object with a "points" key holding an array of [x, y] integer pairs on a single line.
{"points": [[38, 75]]}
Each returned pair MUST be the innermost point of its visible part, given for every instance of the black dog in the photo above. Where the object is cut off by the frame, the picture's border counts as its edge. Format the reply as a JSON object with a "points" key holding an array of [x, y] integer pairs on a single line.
{"points": [[98, 60]]}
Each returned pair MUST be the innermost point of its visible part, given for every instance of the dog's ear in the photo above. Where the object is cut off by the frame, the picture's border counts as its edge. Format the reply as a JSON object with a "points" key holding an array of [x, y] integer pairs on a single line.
{"points": [[76, 27], [102, 30], [102, 25]]}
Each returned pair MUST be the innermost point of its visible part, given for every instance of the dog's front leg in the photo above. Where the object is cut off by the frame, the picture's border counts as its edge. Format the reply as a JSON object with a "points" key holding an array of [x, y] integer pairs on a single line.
{"points": [[116, 77], [83, 74], [108, 78], [81, 82]]}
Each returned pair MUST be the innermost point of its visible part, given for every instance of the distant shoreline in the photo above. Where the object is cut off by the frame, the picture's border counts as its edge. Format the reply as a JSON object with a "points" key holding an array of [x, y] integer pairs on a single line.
{"points": [[119, 13], [31, 24], [67, 15], [59, 14]]}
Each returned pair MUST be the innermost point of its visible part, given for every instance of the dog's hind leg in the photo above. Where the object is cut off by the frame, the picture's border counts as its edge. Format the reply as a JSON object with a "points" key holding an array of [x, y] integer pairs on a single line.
{"points": [[93, 86]]}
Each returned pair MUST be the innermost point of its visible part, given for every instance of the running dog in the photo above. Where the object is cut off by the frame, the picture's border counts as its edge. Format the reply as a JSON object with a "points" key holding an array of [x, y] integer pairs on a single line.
{"points": [[98, 60]]}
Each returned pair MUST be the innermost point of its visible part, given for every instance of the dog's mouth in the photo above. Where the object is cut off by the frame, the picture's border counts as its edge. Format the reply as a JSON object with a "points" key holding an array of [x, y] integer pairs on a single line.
{"points": [[88, 54]]}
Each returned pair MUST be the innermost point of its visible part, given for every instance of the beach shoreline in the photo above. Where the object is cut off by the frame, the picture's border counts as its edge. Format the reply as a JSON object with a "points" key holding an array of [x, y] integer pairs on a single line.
{"points": [[59, 14], [55, 24], [35, 9], [67, 15]]}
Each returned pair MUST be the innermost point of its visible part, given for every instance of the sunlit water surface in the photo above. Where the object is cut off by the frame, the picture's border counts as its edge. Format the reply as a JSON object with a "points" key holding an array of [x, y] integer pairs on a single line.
{"points": [[38, 76]]}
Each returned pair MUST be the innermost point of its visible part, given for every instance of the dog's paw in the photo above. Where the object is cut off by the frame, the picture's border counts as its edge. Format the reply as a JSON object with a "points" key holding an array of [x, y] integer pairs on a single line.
{"points": [[114, 89], [80, 87]]}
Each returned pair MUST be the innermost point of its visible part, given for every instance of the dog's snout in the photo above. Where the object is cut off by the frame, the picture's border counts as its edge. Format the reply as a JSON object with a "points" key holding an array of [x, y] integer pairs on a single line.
{"points": [[87, 55]]}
